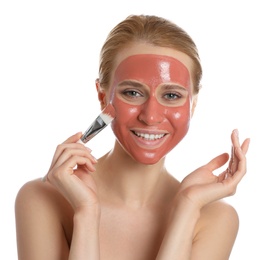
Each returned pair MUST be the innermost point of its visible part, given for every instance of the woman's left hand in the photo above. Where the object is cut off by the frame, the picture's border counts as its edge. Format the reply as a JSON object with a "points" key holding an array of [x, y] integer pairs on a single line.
{"points": [[202, 187]]}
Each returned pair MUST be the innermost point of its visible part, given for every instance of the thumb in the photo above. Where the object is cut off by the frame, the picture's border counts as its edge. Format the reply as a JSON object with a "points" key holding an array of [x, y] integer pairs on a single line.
{"points": [[74, 138], [217, 162]]}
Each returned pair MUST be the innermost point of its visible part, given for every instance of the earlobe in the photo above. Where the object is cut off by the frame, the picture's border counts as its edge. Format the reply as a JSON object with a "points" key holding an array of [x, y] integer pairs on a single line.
{"points": [[101, 94]]}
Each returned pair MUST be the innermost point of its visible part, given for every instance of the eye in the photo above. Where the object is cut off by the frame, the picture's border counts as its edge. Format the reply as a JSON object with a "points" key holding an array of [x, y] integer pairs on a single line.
{"points": [[131, 93], [172, 96]]}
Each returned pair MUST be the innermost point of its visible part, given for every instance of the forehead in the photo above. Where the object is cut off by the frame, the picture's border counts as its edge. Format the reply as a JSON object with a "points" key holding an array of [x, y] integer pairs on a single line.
{"points": [[144, 48], [153, 70]]}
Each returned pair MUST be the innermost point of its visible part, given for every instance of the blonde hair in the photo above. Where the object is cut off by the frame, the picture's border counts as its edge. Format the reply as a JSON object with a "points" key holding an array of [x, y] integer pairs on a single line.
{"points": [[153, 30]]}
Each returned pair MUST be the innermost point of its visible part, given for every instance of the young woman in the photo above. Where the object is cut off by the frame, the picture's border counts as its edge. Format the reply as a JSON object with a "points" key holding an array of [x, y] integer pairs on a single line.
{"points": [[126, 205]]}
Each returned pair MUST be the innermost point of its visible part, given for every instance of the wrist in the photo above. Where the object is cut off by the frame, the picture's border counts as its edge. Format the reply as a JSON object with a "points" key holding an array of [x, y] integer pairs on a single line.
{"points": [[85, 241], [87, 215], [184, 205]]}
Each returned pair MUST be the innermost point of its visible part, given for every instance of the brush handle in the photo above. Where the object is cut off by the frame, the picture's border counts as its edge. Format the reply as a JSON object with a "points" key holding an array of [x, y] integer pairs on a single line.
{"points": [[104, 119], [93, 130]]}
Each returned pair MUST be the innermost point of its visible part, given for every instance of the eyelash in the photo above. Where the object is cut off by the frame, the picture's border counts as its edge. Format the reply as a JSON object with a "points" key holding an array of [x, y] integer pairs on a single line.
{"points": [[131, 93], [177, 96]]}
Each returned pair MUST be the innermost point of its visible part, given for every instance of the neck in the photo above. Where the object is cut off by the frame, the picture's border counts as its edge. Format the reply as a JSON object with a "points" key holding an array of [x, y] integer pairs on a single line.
{"points": [[128, 181]]}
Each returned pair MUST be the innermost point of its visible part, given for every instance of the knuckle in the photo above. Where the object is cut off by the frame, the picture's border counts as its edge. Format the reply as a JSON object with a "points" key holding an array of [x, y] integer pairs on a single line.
{"points": [[59, 146]]}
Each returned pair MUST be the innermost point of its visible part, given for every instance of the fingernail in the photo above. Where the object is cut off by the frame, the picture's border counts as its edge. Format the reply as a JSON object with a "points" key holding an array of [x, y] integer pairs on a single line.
{"points": [[236, 132]]}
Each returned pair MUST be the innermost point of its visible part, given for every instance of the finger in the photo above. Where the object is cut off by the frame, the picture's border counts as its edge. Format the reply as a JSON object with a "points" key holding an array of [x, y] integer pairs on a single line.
{"points": [[233, 163], [245, 145], [74, 138], [78, 157], [217, 162], [63, 149], [236, 176], [235, 138], [70, 142], [61, 173], [236, 142], [74, 151], [223, 176], [240, 169], [69, 152]]}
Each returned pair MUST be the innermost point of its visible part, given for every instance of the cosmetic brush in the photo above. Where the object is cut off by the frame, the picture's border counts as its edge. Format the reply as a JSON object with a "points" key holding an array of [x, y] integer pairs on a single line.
{"points": [[105, 118]]}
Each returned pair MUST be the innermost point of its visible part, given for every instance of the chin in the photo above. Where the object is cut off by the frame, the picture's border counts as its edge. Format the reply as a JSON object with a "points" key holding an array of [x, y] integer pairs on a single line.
{"points": [[148, 159]]}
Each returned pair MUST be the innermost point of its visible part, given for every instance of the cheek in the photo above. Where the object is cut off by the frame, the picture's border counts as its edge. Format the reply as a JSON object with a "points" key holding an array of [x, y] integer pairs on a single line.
{"points": [[123, 110], [180, 121], [124, 114], [180, 116]]}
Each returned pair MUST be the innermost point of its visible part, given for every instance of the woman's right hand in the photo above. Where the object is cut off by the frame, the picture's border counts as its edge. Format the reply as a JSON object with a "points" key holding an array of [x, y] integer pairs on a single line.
{"points": [[70, 174]]}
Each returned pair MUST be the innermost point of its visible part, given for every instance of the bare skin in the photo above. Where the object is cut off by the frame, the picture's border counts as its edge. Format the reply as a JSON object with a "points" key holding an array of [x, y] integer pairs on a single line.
{"points": [[118, 208]]}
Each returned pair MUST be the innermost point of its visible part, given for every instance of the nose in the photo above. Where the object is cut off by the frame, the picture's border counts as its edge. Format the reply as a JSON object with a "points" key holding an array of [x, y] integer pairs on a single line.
{"points": [[151, 113]]}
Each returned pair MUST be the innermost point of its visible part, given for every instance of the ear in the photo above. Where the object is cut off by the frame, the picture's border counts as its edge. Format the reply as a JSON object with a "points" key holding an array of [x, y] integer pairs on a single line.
{"points": [[194, 103], [101, 94]]}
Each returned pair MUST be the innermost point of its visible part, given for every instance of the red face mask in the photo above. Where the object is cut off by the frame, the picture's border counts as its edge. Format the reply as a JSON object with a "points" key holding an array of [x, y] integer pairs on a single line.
{"points": [[152, 98]]}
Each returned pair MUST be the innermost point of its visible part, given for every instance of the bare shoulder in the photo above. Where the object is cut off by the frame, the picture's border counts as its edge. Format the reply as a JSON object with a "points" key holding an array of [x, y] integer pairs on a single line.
{"points": [[220, 212], [216, 231], [34, 187], [38, 194], [43, 221], [36, 197]]}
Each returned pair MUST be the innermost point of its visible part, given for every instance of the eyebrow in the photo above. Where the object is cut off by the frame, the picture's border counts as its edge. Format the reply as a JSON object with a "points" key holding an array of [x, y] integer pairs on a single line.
{"points": [[168, 86], [173, 86], [130, 83]]}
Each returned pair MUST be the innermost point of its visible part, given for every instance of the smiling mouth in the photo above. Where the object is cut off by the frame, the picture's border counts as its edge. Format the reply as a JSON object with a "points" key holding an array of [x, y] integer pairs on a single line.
{"points": [[149, 137]]}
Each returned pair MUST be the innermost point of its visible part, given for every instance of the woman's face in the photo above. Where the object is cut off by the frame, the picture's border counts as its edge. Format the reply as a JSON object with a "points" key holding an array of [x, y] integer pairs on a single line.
{"points": [[151, 91]]}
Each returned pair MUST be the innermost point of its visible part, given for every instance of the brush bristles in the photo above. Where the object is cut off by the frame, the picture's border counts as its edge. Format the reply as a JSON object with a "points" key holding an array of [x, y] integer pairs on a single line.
{"points": [[108, 114], [106, 118]]}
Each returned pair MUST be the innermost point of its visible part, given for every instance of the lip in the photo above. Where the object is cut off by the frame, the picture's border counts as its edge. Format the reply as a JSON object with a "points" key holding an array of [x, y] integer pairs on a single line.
{"points": [[146, 143]]}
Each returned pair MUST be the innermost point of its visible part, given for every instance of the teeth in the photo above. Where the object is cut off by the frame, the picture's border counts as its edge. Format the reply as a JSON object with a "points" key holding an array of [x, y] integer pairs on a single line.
{"points": [[150, 137]]}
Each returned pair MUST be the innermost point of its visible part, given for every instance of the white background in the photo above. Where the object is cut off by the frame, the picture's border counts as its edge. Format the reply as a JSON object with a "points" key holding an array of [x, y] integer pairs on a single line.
{"points": [[48, 63]]}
